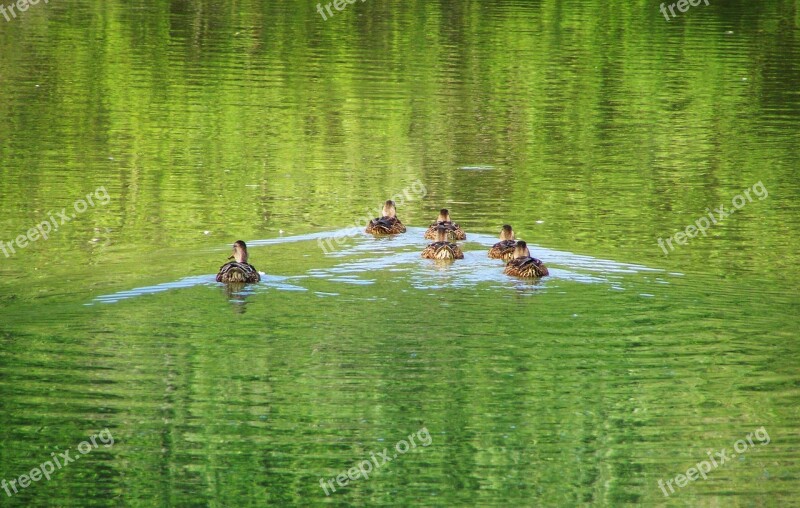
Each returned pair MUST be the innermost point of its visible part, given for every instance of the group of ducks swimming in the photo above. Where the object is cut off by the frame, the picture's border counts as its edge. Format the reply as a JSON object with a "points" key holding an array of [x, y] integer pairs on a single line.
{"points": [[515, 253]]}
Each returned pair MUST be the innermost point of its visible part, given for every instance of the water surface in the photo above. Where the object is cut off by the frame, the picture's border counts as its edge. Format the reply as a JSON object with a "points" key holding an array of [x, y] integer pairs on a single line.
{"points": [[593, 128]]}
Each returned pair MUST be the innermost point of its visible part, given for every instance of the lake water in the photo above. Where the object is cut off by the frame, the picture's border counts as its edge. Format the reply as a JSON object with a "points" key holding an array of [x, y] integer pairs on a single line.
{"points": [[154, 134]]}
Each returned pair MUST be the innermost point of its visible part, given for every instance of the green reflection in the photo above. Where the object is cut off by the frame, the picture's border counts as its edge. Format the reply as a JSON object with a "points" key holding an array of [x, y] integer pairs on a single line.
{"points": [[593, 128]]}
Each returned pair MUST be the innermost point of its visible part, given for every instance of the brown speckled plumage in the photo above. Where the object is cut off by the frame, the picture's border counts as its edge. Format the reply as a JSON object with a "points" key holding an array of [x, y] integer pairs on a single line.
{"points": [[523, 265], [504, 249], [385, 226], [442, 248], [454, 231], [238, 270], [388, 224]]}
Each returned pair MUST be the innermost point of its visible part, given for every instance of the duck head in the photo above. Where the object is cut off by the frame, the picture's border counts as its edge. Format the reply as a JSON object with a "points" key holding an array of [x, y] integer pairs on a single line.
{"points": [[389, 209], [507, 233], [521, 250], [239, 252], [444, 215]]}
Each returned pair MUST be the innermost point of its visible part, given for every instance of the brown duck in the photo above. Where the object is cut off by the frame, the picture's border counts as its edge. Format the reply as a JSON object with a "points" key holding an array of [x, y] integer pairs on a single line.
{"points": [[523, 265], [504, 249], [442, 248], [388, 224], [454, 231], [238, 270]]}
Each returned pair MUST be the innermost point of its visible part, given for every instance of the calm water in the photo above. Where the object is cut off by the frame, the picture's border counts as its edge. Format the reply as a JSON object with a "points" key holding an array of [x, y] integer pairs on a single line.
{"points": [[594, 127]]}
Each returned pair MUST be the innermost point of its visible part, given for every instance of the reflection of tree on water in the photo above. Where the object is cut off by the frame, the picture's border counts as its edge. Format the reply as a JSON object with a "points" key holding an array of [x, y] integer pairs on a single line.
{"points": [[237, 293]]}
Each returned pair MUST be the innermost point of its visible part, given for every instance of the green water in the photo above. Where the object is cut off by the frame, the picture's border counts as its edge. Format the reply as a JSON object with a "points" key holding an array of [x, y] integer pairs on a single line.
{"points": [[594, 128]]}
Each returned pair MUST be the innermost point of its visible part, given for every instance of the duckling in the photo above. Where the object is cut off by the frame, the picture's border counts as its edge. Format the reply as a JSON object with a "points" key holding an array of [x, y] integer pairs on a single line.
{"points": [[504, 249], [442, 248], [388, 224], [238, 270], [523, 265], [454, 231]]}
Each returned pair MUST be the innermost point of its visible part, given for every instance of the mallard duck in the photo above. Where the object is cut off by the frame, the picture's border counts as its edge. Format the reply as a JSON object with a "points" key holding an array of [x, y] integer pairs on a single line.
{"points": [[454, 231], [389, 224], [504, 249], [442, 248], [238, 270], [523, 265]]}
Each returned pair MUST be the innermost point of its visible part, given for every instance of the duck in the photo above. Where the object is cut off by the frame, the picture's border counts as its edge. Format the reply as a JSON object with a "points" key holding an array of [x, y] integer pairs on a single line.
{"points": [[442, 248], [388, 224], [238, 270], [504, 249], [453, 230], [523, 265]]}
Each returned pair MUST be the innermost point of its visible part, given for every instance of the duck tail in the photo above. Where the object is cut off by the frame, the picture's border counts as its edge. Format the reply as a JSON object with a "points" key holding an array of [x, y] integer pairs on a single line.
{"points": [[238, 272]]}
